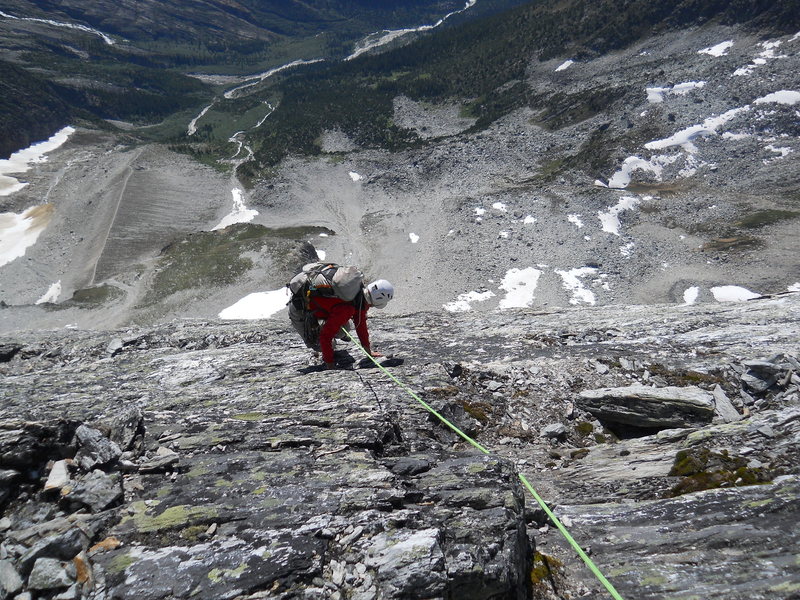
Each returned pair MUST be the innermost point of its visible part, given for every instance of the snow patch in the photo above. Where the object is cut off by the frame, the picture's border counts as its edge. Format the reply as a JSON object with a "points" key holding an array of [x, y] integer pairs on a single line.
{"points": [[573, 284], [52, 294], [767, 53], [788, 97], [355, 176], [783, 151], [413, 237], [622, 178], [735, 136], [610, 218], [685, 138], [656, 95], [732, 293], [239, 214], [519, 285], [20, 231], [795, 287], [529, 220], [21, 160], [720, 49], [321, 254], [260, 305], [463, 303], [690, 295], [499, 206], [576, 220], [565, 65]]}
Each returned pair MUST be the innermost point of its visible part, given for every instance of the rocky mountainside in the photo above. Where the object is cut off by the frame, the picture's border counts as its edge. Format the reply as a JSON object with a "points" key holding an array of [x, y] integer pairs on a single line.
{"points": [[212, 460], [589, 215]]}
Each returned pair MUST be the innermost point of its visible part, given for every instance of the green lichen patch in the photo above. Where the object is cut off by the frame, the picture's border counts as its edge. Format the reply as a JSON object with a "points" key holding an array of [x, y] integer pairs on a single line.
{"points": [[787, 587], [174, 517], [120, 562], [479, 411], [252, 416], [443, 391], [546, 571], [217, 575], [702, 469], [192, 533]]}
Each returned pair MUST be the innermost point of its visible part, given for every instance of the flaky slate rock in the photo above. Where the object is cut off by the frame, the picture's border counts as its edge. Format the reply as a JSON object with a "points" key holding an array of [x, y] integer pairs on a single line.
{"points": [[63, 546], [127, 429], [649, 407], [745, 529], [26, 445], [49, 574], [96, 450], [96, 492], [294, 484], [723, 406], [7, 479], [10, 580]]}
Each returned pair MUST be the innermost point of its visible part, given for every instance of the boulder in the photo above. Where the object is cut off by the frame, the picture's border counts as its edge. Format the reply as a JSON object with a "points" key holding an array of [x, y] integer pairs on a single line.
{"points": [[96, 450], [10, 580], [58, 477], [648, 407], [62, 546], [723, 407], [554, 431], [97, 491], [127, 428], [49, 574]]}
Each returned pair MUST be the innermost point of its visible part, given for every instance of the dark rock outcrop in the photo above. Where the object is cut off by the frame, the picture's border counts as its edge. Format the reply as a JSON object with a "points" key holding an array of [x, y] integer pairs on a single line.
{"points": [[239, 471]]}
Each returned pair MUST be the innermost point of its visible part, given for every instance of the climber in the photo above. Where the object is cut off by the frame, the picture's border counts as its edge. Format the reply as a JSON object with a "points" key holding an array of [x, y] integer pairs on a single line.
{"points": [[326, 298]]}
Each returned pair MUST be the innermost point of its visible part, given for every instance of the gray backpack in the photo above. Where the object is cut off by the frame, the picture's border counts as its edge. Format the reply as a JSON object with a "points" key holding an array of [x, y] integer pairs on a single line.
{"points": [[326, 280]]}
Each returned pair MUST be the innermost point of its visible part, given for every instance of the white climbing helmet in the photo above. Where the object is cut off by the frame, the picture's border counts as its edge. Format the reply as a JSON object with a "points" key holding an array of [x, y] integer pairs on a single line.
{"points": [[379, 293]]}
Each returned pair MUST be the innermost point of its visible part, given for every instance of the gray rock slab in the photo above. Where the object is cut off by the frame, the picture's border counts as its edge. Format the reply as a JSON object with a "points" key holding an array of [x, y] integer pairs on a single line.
{"points": [[126, 427], [666, 548], [58, 476], [163, 459], [643, 406], [95, 448], [758, 382], [49, 574], [96, 491], [62, 546], [10, 580], [724, 407], [280, 467]]}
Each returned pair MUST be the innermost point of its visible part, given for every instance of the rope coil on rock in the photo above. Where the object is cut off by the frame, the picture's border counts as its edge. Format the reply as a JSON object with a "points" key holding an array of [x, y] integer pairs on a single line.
{"points": [[575, 546]]}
